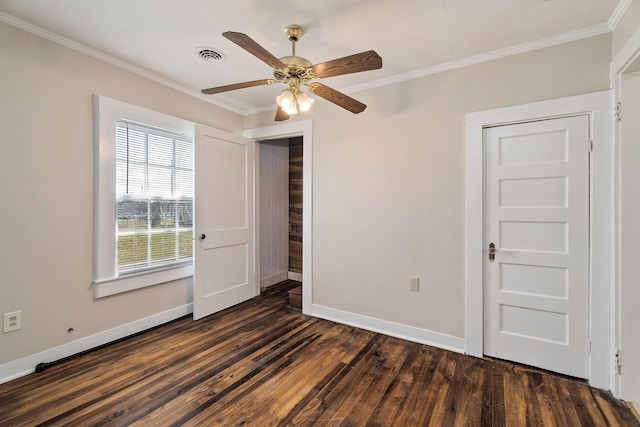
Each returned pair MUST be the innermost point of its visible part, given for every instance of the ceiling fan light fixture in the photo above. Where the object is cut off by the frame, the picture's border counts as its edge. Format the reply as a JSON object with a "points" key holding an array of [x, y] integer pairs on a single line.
{"points": [[304, 102], [293, 101], [287, 101]]}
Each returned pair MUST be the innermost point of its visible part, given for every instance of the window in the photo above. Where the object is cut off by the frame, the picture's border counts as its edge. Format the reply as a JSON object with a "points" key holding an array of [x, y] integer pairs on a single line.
{"points": [[154, 197], [144, 197]]}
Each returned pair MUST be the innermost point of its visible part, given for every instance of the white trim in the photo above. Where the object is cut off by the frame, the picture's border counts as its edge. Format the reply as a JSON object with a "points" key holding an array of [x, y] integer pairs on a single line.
{"points": [[598, 106], [294, 276], [616, 253], [129, 283], [484, 57], [225, 102], [398, 330], [618, 13], [289, 129], [272, 280], [627, 54], [221, 101], [623, 59], [26, 365], [107, 112]]}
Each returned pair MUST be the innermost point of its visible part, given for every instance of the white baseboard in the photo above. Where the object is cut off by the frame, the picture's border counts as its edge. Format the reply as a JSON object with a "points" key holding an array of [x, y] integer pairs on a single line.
{"points": [[409, 333], [272, 280], [26, 365], [294, 276]]}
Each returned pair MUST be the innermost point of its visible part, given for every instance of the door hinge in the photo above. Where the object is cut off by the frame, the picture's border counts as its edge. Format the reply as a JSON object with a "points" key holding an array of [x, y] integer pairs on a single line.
{"points": [[590, 145], [618, 112], [618, 362]]}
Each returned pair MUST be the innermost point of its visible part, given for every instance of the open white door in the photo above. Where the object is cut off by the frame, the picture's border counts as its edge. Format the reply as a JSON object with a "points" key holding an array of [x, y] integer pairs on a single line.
{"points": [[224, 266], [537, 226]]}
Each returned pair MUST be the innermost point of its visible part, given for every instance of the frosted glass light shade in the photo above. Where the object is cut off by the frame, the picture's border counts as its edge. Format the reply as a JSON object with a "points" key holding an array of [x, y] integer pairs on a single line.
{"points": [[287, 101], [304, 102], [293, 103]]}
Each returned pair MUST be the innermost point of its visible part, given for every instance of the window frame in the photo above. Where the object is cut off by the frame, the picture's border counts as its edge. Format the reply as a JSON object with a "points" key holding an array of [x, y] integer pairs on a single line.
{"points": [[179, 147], [106, 281]]}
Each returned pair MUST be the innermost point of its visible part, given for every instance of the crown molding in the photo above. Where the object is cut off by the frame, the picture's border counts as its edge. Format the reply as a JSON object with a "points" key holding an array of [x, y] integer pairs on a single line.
{"points": [[485, 57], [79, 47], [472, 60], [618, 13], [243, 109]]}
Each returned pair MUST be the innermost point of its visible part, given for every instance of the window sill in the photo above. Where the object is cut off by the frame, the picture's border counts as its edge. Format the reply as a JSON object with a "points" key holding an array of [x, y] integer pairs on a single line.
{"points": [[105, 288]]}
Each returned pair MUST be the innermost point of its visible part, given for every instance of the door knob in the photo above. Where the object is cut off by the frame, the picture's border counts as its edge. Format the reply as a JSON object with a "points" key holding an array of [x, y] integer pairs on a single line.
{"points": [[492, 251], [203, 236]]}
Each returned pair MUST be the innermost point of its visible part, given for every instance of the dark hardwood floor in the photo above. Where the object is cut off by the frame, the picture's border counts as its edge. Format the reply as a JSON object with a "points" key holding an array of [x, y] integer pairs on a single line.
{"points": [[261, 363]]}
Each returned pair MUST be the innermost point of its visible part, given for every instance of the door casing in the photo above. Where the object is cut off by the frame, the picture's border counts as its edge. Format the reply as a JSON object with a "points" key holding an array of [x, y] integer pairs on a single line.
{"points": [[302, 128], [598, 106], [626, 60]]}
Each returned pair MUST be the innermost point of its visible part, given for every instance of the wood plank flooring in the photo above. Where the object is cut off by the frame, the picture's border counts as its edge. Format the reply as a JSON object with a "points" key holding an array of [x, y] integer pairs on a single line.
{"points": [[263, 364]]}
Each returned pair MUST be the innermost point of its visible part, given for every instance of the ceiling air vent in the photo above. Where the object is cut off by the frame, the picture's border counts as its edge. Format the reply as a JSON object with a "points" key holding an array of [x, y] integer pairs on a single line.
{"points": [[210, 54]]}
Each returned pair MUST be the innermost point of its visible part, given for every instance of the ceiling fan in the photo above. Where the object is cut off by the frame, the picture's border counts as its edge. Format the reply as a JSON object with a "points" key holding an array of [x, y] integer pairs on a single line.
{"points": [[296, 71]]}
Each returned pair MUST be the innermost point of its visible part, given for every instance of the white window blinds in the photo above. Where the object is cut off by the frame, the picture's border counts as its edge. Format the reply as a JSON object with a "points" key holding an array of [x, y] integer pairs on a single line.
{"points": [[154, 198]]}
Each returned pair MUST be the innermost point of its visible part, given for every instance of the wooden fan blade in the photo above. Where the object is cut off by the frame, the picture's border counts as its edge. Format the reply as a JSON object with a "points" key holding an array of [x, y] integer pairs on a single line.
{"points": [[251, 46], [337, 98], [235, 86], [363, 61], [281, 115]]}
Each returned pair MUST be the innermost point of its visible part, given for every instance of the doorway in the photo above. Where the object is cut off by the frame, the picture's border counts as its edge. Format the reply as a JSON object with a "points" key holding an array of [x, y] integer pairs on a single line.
{"points": [[598, 108], [279, 188], [303, 128]]}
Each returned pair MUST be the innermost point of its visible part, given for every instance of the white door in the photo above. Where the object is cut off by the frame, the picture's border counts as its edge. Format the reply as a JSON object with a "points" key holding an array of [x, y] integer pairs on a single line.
{"points": [[224, 268], [537, 217]]}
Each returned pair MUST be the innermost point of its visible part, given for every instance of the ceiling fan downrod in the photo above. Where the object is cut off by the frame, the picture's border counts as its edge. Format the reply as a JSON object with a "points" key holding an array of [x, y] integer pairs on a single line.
{"points": [[293, 33]]}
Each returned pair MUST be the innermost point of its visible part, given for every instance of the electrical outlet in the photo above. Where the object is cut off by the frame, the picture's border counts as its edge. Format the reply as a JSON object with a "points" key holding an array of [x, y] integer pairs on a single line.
{"points": [[12, 321], [414, 283]]}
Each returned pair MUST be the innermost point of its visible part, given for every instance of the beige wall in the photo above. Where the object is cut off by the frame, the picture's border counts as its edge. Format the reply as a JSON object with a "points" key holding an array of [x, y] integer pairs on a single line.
{"points": [[401, 214], [388, 184], [46, 183]]}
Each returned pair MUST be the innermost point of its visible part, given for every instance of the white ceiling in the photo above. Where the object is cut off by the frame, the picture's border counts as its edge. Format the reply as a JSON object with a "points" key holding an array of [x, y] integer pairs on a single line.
{"points": [[413, 37]]}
